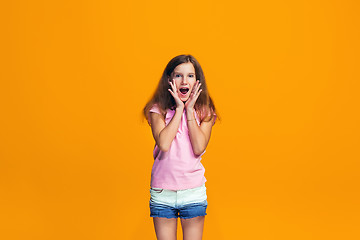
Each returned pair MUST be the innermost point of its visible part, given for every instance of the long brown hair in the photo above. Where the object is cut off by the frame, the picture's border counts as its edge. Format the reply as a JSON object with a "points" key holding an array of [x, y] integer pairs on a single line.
{"points": [[165, 100]]}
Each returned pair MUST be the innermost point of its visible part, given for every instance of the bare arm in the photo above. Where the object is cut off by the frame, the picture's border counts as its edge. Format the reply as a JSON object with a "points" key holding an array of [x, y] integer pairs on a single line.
{"points": [[199, 135], [164, 135]]}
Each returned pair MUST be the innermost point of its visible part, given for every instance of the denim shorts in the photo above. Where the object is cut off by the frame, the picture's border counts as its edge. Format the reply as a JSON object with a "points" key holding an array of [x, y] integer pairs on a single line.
{"points": [[188, 203]]}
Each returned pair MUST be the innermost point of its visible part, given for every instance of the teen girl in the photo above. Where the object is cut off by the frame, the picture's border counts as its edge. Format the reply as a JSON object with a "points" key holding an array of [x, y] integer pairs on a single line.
{"points": [[181, 115]]}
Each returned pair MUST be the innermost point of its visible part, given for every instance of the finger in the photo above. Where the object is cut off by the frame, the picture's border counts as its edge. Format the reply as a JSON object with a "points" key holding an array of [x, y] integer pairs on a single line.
{"points": [[192, 93], [195, 86], [194, 98], [173, 86], [197, 82], [198, 94], [170, 82], [173, 94], [198, 87]]}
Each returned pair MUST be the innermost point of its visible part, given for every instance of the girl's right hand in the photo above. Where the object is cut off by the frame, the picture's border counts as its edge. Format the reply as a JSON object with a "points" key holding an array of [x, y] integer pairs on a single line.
{"points": [[174, 93]]}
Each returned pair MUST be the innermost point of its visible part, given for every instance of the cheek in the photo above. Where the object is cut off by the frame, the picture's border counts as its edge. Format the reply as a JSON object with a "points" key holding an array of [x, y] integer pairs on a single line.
{"points": [[178, 85], [177, 82]]}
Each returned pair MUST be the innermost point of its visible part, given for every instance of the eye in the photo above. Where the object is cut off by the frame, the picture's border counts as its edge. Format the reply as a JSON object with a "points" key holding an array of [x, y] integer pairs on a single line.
{"points": [[177, 75], [191, 75]]}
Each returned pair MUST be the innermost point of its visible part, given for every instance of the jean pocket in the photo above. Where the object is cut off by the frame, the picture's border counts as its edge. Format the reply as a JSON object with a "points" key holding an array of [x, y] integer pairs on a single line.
{"points": [[156, 190]]}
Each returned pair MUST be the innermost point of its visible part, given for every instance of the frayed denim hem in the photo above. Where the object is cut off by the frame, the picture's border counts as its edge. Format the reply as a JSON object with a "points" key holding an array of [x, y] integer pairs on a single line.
{"points": [[163, 216], [200, 215]]}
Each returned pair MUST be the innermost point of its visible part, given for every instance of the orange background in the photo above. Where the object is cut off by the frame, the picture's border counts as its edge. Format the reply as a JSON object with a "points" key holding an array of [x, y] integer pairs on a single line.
{"points": [[76, 156]]}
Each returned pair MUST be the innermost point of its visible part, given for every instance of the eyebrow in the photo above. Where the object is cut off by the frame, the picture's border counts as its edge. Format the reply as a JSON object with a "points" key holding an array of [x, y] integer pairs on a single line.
{"points": [[181, 73]]}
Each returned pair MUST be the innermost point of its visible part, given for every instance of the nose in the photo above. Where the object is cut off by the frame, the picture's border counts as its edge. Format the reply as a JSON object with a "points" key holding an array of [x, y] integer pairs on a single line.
{"points": [[184, 80]]}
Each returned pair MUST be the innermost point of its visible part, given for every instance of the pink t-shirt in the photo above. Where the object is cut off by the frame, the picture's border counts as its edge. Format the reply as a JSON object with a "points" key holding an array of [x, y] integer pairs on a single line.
{"points": [[178, 168]]}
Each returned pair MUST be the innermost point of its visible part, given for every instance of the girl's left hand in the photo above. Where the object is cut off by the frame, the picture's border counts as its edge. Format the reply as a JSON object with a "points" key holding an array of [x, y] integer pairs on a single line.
{"points": [[190, 103]]}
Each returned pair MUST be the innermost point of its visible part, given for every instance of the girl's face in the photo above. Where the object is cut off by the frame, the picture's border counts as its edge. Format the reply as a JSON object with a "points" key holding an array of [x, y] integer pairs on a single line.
{"points": [[184, 79]]}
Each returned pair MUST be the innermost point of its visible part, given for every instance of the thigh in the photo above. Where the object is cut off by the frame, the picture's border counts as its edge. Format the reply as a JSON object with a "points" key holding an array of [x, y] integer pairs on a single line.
{"points": [[193, 228], [192, 213], [165, 228]]}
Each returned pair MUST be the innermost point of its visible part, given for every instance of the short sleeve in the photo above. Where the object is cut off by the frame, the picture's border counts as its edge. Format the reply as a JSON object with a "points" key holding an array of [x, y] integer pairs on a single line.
{"points": [[215, 116], [155, 108]]}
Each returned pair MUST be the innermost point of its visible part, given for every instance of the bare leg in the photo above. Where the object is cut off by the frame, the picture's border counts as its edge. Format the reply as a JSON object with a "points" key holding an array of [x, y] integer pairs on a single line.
{"points": [[165, 228], [193, 228]]}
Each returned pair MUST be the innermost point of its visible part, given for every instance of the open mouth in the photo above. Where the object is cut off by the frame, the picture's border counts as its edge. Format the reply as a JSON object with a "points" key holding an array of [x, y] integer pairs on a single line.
{"points": [[184, 90]]}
